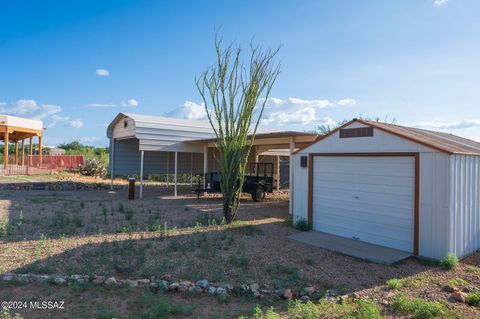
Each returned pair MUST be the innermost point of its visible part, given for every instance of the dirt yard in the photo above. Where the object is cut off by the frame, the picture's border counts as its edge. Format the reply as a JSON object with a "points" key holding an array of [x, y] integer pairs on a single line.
{"points": [[102, 233]]}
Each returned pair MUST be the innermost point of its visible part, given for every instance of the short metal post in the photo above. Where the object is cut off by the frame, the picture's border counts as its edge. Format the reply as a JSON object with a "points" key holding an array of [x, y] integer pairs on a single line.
{"points": [[131, 188]]}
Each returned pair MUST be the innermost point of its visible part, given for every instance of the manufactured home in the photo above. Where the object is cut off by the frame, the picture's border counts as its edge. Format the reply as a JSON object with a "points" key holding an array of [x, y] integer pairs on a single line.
{"points": [[405, 188]]}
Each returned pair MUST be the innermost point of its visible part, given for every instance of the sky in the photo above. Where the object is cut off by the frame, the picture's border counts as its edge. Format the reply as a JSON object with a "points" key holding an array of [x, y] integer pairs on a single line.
{"points": [[76, 64]]}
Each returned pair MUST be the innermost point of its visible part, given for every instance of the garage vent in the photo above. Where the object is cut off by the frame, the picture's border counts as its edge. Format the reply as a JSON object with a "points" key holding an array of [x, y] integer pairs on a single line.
{"points": [[356, 132]]}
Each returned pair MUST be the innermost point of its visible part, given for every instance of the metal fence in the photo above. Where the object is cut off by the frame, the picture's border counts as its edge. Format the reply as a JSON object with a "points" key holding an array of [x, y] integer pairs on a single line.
{"points": [[36, 164]]}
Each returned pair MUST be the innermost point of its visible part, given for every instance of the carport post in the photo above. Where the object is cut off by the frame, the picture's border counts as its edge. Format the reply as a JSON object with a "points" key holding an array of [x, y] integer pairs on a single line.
{"points": [[141, 173], [112, 163], [191, 169], [205, 165], [290, 176], [278, 173], [168, 168], [175, 176]]}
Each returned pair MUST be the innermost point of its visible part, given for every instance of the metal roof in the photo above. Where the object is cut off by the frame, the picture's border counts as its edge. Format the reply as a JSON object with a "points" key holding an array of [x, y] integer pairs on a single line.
{"points": [[273, 134], [444, 142], [21, 122], [441, 141]]}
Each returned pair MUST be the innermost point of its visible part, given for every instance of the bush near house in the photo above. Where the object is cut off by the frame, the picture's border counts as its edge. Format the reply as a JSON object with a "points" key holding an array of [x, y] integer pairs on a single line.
{"points": [[93, 167], [449, 262]]}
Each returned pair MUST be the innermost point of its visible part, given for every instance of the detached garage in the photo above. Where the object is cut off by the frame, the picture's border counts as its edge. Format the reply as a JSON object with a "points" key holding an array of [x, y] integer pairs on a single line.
{"points": [[409, 189]]}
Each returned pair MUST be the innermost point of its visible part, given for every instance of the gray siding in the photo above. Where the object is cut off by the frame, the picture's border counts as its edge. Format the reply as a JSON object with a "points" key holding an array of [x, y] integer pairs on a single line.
{"points": [[127, 160], [464, 220], [126, 157]]}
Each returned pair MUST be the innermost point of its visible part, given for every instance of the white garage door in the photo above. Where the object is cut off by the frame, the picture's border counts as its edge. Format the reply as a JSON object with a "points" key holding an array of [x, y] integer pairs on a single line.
{"points": [[366, 198]]}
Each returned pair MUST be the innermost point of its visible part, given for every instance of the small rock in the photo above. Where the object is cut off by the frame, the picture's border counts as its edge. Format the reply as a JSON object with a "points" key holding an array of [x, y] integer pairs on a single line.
{"points": [[449, 288], [131, 283], [305, 298], [111, 281], [255, 292], [355, 296], [59, 280], [228, 287], [98, 280], [163, 284], [203, 283], [220, 291], [185, 283], [459, 296], [182, 288], [7, 276], [211, 290], [342, 299], [42, 278], [166, 277], [279, 291], [287, 294], [266, 292], [197, 289], [143, 281], [309, 290], [173, 286], [254, 286], [24, 277]]}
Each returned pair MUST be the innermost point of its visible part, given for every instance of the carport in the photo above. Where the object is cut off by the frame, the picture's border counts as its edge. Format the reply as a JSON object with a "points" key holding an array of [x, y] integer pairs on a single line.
{"points": [[143, 145]]}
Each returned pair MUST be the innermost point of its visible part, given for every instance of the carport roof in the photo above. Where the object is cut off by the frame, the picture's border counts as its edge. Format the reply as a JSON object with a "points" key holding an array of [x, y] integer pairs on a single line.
{"points": [[444, 142], [262, 135]]}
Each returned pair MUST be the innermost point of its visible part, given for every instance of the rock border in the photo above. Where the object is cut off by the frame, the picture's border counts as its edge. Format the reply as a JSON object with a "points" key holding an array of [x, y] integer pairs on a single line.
{"points": [[166, 283], [58, 186]]}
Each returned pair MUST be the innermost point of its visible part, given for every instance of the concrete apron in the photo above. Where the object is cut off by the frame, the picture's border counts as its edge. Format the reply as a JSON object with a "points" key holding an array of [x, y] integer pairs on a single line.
{"points": [[351, 247]]}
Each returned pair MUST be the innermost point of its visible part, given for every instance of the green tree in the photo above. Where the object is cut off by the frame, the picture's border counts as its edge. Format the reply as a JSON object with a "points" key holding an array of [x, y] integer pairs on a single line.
{"points": [[231, 91]]}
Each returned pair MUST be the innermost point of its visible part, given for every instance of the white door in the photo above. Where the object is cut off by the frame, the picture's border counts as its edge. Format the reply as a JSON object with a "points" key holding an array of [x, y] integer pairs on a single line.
{"points": [[369, 198]]}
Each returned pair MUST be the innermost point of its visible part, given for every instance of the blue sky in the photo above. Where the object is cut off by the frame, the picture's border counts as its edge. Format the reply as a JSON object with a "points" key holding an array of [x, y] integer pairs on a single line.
{"points": [[76, 64]]}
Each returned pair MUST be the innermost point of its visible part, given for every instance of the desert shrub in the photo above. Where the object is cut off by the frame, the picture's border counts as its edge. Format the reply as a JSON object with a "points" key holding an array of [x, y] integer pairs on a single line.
{"points": [[359, 309], [473, 298], [458, 283], [417, 308], [449, 262], [394, 283], [366, 310], [93, 167], [302, 224]]}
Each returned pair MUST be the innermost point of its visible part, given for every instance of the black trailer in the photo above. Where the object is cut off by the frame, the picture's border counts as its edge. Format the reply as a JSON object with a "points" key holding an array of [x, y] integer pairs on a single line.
{"points": [[257, 182]]}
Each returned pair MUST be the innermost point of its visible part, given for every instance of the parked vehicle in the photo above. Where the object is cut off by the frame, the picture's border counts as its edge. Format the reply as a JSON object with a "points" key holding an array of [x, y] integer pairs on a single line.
{"points": [[257, 183]]}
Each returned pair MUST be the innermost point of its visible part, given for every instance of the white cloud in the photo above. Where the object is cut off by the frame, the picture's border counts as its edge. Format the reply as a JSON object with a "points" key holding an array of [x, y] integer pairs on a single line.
{"points": [[455, 125], [49, 113], [130, 102], [439, 2], [102, 72], [29, 109], [189, 110], [309, 103], [346, 102], [75, 123], [297, 111], [290, 111], [65, 121]]}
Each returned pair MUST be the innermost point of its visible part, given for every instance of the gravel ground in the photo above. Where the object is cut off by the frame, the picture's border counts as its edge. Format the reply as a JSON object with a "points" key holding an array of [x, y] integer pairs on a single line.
{"points": [[100, 232]]}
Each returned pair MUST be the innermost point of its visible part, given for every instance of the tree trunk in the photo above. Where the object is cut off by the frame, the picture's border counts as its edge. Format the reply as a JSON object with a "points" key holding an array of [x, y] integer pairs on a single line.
{"points": [[230, 207]]}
